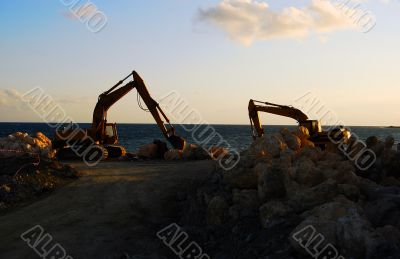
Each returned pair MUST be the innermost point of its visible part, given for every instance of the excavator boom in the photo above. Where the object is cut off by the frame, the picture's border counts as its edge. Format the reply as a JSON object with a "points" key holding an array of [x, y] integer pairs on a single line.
{"points": [[114, 94], [277, 109]]}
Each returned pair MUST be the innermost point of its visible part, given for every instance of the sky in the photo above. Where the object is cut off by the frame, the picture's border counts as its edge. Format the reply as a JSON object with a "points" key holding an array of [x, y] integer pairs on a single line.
{"points": [[216, 54]]}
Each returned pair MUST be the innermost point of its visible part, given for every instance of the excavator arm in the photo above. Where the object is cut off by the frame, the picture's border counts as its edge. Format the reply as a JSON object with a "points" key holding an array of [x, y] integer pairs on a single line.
{"points": [[114, 94], [277, 109]]}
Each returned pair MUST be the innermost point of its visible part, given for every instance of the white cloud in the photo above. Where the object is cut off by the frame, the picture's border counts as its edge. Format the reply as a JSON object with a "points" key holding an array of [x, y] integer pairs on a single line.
{"points": [[249, 20], [10, 98]]}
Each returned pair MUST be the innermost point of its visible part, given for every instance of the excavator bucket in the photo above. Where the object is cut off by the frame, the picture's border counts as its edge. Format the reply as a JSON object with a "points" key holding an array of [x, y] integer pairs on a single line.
{"points": [[177, 142]]}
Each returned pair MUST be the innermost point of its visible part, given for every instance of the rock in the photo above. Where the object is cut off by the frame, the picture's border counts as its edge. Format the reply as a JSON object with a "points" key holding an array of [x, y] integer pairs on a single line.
{"points": [[271, 184], [385, 211], [234, 212], [29, 140], [315, 154], [292, 141], [307, 143], [373, 191], [246, 198], [149, 151], [350, 191], [194, 152], [269, 144], [390, 233], [345, 177], [390, 181], [331, 159], [391, 163], [218, 152], [302, 199], [242, 178], [20, 143], [342, 224], [173, 154], [372, 141], [287, 157], [273, 213], [375, 145], [216, 210], [307, 173], [389, 142], [302, 133], [43, 138]]}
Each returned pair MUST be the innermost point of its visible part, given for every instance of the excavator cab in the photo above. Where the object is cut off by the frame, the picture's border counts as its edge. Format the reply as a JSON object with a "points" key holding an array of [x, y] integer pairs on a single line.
{"points": [[313, 126], [111, 134]]}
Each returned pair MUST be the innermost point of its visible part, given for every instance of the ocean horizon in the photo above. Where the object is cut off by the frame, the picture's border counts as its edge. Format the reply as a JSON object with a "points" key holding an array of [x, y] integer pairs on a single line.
{"points": [[237, 136]]}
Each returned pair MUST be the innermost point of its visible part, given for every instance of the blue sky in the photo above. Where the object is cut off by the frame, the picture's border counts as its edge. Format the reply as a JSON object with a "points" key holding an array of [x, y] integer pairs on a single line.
{"points": [[353, 73]]}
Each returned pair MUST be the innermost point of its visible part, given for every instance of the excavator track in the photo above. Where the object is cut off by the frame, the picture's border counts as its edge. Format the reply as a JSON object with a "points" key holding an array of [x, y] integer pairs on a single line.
{"points": [[115, 151], [67, 153]]}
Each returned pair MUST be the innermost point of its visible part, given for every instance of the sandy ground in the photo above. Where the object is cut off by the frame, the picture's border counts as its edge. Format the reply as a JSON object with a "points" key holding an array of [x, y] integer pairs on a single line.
{"points": [[114, 208]]}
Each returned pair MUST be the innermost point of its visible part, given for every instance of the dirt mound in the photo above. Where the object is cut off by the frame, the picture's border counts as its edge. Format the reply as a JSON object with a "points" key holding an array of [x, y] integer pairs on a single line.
{"points": [[26, 169]]}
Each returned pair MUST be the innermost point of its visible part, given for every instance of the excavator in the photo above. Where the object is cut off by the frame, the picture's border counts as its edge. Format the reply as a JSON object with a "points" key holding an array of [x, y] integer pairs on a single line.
{"points": [[105, 134], [319, 137]]}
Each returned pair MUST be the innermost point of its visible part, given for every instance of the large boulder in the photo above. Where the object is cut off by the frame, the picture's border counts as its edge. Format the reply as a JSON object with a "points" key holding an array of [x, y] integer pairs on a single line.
{"points": [[149, 151], [242, 178], [268, 145], [246, 198], [273, 213], [271, 184], [173, 154], [301, 199], [389, 142], [342, 224], [307, 173], [292, 141], [384, 211], [217, 210], [195, 152]]}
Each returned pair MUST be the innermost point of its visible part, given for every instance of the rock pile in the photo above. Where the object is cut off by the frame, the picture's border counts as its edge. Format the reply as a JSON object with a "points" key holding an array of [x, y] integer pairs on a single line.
{"points": [[387, 159], [19, 143], [283, 183]]}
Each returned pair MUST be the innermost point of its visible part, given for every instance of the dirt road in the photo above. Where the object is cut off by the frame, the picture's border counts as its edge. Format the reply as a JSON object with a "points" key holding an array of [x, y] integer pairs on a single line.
{"points": [[114, 208]]}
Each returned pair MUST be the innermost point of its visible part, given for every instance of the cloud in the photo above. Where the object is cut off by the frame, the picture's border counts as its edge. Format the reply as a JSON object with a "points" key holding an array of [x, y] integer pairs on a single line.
{"points": [[10, 98], [249, 20]]}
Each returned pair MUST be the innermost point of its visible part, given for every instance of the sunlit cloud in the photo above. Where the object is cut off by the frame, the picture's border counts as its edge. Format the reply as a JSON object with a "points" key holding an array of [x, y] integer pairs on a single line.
{"points": [[247, 21]]}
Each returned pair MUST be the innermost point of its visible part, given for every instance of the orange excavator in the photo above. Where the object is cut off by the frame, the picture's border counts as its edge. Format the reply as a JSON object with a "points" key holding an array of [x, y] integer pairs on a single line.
{"points": [[105, 134], [319, 137]]}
